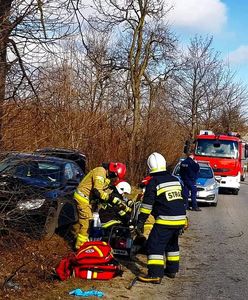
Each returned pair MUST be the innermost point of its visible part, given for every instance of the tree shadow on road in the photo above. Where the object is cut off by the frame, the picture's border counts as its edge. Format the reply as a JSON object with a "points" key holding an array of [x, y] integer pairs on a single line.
{"points": [[137, 265]]}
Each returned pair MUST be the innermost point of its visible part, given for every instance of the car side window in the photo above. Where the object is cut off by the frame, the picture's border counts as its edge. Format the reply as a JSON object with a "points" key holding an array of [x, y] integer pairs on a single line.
{"points": [[177, 170], [72, 171], [21, 170], [68, 171]]}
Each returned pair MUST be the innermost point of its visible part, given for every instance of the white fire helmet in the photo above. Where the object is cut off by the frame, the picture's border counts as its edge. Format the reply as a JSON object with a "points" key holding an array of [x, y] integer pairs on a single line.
{"points": [[123, 187], [156, 163]]}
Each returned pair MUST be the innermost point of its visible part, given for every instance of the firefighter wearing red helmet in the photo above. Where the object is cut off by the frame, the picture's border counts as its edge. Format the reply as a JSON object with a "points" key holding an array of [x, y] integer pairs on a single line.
{"points": [[94, 186], [118, 169]]}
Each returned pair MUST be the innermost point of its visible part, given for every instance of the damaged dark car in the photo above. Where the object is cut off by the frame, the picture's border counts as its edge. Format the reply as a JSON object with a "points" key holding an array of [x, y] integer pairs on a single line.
{"points": [[36, 193]]}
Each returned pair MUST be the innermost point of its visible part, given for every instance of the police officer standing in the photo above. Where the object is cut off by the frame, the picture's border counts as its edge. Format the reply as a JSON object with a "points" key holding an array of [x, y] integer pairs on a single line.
{"points": [[189, 170], [164, 201]]}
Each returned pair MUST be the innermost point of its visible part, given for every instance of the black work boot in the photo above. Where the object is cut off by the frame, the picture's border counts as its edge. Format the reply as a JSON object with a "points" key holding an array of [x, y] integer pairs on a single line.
{"points": [[148, 279], [196, 209], [170, 275]]}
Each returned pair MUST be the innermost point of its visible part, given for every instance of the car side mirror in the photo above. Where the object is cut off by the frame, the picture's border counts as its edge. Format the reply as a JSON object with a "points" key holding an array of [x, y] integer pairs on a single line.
{"points": [[218, 178]]}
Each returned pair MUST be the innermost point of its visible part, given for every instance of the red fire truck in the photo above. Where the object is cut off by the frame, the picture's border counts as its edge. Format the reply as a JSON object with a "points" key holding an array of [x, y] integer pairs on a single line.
{"points": [[226, 153]]}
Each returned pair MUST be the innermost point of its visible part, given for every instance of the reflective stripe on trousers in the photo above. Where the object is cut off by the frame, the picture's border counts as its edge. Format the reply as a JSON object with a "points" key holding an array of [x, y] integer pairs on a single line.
{"points": [[84, 218], [162, 242]]}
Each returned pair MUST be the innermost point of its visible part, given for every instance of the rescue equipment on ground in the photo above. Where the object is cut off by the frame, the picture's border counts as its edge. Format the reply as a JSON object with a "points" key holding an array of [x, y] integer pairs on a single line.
{"points": [[96, 230], [93, 260]]}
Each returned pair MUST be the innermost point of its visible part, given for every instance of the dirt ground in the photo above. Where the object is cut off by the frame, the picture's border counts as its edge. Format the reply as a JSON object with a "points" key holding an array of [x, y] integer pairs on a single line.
{"points": [[213, 262], [27, 269]]}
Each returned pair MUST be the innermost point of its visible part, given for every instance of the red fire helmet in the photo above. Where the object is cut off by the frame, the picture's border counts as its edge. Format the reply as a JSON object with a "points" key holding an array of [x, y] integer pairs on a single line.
{"points": [[118, 168]]}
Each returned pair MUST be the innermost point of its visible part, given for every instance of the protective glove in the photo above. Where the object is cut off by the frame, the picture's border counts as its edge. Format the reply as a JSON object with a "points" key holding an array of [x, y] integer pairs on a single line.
{"points": [[122, 206], [186, 226], [131, 228], [140, 229]]}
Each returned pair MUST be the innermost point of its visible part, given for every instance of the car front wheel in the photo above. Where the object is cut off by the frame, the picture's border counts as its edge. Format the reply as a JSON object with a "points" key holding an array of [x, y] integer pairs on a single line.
{"points": [[50, 224]]}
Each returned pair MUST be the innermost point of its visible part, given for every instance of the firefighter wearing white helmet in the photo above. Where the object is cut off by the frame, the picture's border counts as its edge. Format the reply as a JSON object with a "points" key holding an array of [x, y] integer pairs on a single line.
{"points": [[156, 163], [163, 199], [123, 187], [117, 209]]}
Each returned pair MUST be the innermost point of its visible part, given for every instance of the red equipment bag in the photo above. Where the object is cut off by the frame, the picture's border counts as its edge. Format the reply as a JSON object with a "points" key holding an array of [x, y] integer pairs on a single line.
{"points": [[93, 260], [64, 269]]}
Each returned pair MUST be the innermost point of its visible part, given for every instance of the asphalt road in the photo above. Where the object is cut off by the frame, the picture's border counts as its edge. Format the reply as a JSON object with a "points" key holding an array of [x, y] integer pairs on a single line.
{"points": [[215, 251]]}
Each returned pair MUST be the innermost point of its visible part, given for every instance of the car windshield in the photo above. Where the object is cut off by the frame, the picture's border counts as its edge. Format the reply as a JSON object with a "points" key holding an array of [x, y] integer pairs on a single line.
{"points": [[205, 173], [33, 169], [217, 148]]}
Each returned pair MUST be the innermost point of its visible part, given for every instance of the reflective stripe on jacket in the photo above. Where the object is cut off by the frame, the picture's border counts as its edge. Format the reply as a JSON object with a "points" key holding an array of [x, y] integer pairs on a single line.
{"points": [[163, 199], [95, 179]]}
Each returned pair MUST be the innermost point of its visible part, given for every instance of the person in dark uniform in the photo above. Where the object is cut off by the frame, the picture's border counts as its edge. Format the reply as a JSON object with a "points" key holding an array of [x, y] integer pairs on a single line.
{"points": [[162, 199], [189, 170], [118, 209]]}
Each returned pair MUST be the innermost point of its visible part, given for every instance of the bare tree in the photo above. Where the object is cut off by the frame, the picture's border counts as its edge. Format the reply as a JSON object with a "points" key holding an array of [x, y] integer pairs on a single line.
{"points": [[197, 85], [143, 44], [28, 31], [232, 114]]}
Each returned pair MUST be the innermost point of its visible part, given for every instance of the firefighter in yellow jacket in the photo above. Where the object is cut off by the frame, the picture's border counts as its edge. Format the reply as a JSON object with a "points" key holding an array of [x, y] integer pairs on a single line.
{"points": [[94, 186]]}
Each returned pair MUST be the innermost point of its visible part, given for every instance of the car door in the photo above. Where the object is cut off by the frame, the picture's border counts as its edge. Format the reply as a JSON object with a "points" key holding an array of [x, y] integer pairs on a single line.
{"points": [[67, 212]]}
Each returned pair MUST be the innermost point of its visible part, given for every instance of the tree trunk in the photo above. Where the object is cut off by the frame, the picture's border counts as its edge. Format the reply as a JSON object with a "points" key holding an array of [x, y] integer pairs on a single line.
{"points": [[136, 127], [5, 6]]}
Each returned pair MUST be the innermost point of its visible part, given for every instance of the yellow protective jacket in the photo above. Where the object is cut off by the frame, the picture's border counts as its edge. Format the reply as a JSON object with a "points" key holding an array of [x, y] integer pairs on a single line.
{"points": [[93, 185]]}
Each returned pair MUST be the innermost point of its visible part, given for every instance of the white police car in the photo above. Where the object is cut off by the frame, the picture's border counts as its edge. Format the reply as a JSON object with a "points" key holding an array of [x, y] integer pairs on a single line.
{"points": [[207, 185]]}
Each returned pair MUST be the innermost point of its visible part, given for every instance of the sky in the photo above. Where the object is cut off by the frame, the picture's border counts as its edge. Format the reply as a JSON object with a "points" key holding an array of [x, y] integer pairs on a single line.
{"points": [[225, 20]]}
